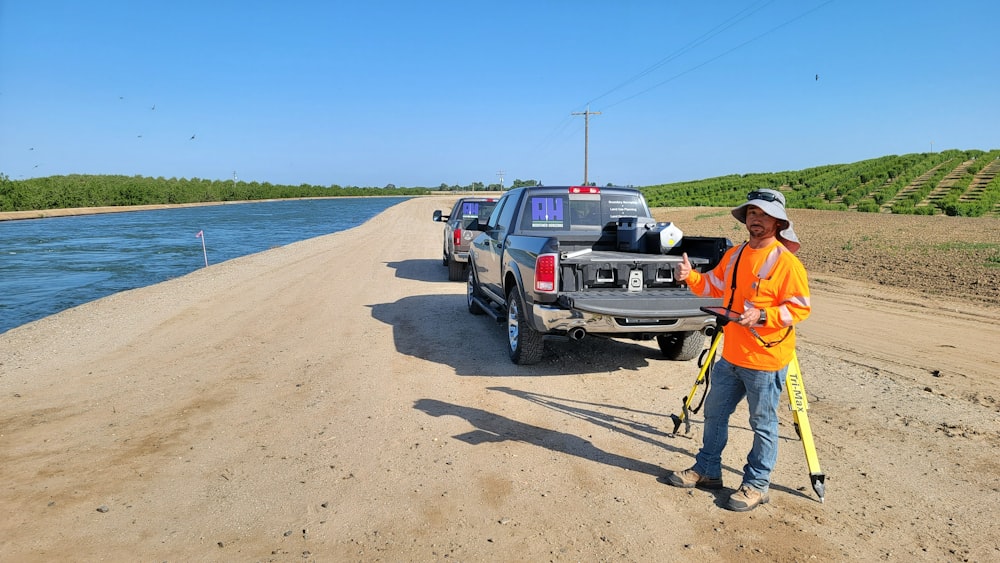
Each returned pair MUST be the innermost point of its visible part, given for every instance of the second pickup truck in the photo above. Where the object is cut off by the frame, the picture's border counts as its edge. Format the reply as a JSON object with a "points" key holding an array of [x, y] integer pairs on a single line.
{"points": [[577, 260]]}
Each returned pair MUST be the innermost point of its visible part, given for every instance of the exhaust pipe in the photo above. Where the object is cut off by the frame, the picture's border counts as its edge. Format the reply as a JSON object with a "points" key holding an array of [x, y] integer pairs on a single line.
{"points": [[577, 334]]}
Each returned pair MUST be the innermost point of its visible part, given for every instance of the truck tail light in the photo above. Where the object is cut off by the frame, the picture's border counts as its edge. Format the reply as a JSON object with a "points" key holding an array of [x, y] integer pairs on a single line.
{"points": [[456, 237], [584, 190], [546, 273]]}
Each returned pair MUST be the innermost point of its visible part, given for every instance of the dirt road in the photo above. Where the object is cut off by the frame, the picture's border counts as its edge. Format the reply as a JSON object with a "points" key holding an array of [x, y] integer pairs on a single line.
{"points": [[333, 400]]}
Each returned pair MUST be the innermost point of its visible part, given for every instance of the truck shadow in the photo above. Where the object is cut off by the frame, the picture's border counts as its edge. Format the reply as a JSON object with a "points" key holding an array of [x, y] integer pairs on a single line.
{"points": [[440, 329], [425, 269]]}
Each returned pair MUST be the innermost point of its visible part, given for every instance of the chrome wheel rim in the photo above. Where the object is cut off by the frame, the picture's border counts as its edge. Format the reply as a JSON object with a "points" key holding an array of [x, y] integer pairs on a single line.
{"points": [[512, 328]]}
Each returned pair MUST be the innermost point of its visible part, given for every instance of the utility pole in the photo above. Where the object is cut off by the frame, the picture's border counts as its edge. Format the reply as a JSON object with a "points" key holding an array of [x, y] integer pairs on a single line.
{"points": [[500, 173], [586, 137]]}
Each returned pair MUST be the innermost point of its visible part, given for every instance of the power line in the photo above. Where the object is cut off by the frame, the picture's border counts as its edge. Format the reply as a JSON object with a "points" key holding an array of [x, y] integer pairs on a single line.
{"points": [[560, 129], [720, 55], [733, 20]]}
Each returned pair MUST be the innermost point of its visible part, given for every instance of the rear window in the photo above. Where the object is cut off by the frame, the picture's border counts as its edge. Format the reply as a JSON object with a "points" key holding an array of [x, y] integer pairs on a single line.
{"points": [[473, 210], [580, 211]]}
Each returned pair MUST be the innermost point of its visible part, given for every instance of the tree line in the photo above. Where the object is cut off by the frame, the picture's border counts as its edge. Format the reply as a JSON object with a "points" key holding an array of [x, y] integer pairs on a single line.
{"points": [[82, 190], [919, 183], [482, 187], [78, 190]]}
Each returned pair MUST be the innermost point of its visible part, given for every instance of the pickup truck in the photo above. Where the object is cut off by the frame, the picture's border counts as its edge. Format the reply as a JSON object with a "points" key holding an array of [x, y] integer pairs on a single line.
{"points": [[570, 261], [457, 236]]}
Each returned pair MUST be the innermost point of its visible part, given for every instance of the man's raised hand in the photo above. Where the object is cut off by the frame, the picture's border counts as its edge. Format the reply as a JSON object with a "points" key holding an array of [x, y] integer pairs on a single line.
{"points": [[684, 268]]}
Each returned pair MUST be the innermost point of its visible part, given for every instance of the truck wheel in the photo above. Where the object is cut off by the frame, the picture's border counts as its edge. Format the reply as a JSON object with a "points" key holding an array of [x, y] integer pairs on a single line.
{"points": [[524, 343], [471, 292], [681, 346], [456, 270]]}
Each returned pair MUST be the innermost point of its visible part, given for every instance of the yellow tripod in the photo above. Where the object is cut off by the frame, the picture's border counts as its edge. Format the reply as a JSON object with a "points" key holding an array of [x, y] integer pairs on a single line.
{"points": [[706, 362], [798, 403]]}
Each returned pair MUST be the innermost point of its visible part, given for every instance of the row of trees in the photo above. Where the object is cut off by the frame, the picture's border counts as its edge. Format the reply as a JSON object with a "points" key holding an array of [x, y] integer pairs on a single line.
{"points": [[900, 184], [55, 192], [481, 187], [78, 190]]}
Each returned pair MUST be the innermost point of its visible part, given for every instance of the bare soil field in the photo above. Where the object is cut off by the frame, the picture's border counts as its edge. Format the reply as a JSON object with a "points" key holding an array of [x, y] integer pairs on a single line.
{"points": [[932, 256], [333, 400]]}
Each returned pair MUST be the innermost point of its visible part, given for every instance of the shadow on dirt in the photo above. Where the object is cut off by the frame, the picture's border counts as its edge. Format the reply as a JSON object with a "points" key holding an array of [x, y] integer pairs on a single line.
{"points": [[614, 417], [425, 270], [439, 328], [490, 427], [611, 417]]}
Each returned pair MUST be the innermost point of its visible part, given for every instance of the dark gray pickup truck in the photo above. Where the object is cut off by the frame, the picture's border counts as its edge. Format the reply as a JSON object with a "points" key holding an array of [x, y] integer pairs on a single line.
{"points": [[576, 260]]}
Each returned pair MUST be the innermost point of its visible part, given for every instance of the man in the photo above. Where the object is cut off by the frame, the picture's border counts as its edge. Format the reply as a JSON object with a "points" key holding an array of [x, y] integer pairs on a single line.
{"points": [[766, 284]]}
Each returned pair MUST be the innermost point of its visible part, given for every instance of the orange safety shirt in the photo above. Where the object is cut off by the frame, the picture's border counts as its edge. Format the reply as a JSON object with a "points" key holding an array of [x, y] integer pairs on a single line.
{"points": [[770, 278]]}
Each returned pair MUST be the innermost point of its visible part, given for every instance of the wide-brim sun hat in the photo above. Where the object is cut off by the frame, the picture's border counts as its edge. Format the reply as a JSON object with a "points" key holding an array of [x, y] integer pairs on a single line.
{"points": [[771, 202]]}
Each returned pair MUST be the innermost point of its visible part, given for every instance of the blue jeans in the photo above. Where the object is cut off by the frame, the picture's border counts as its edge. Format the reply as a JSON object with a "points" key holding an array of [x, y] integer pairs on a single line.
{"points": [[762, 389]]}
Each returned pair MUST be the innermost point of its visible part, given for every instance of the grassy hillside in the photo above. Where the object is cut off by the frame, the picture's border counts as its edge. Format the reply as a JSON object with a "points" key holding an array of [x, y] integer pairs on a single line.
{"points": [[952, 182]]}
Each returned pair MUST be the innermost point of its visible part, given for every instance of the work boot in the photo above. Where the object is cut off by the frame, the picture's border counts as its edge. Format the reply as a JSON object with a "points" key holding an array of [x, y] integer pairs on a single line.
{"points": [[690, 478], [745, 499]]}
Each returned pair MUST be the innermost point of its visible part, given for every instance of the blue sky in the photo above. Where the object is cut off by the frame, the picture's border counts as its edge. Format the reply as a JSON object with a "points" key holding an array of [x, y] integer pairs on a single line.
{"points": [[412, 93]]}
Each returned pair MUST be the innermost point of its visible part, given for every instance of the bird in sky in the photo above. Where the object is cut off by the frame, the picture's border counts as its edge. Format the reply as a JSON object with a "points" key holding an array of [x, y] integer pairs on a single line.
{"points": [[153, 108], [817, 77], [192, 138]]}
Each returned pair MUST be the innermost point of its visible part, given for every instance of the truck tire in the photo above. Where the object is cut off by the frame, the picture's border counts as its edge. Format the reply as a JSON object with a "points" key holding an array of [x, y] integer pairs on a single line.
{"points": [[471, 292], [456, 270], [524, 343], [681, 346]]}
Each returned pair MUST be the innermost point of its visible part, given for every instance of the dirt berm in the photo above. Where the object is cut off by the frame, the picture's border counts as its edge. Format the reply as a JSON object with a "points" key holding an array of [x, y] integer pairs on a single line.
{"points": [[333, 400]]}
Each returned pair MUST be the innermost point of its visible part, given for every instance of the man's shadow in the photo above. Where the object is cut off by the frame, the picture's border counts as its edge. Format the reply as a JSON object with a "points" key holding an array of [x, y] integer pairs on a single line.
{"points": [[492, 427]]}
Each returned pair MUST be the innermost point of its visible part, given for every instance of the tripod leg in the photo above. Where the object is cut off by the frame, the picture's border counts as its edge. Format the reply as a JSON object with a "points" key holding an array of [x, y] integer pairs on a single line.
{"points": [[702, 374], [799, 405]]}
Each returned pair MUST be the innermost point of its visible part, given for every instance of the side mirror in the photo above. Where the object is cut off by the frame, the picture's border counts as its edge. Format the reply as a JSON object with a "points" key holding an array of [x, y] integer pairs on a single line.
{"points": [[437, 215]]}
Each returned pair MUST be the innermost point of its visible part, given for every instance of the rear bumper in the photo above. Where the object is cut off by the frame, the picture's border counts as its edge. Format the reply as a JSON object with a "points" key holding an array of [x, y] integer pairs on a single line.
{"points": [[600, 317]]}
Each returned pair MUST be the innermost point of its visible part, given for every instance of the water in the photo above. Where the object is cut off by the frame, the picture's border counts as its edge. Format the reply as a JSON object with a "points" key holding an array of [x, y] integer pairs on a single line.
{"points": [[49, 265]]}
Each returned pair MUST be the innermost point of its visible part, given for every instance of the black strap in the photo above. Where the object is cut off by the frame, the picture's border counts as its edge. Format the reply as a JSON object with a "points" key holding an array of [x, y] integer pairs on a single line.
{"points": [[767, 344], [732, 296], [736, 268]]}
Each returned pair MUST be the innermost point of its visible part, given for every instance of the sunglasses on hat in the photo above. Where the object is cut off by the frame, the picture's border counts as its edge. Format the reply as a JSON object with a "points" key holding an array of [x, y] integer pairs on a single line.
{"points": [[764, 196]]}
